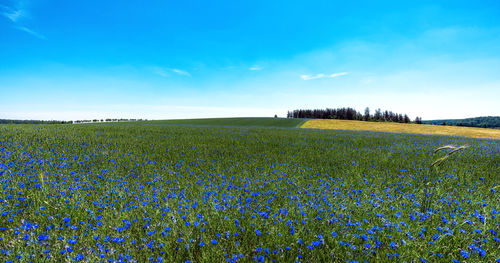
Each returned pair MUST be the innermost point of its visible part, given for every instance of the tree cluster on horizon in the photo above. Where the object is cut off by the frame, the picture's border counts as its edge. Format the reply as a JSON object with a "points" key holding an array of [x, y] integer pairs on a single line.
{"points": [[481, 122], [7, 121], [108, 120], [351, 114]]}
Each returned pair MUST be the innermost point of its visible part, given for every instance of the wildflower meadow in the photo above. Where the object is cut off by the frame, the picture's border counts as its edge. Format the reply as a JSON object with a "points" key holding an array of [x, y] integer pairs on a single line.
{"points": [[139, 192]]}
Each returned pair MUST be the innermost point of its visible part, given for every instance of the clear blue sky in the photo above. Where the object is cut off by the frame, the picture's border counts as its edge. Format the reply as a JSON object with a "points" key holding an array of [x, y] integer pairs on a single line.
{"points": [[186, 59]]}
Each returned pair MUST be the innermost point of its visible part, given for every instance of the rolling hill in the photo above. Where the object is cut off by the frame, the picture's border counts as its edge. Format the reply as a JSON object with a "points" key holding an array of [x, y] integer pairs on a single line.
{"points": [[482, 122], [234, 122]]}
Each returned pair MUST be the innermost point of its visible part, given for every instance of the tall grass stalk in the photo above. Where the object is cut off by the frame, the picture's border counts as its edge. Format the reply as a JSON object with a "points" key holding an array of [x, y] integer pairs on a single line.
{"points": [[430, 183]]}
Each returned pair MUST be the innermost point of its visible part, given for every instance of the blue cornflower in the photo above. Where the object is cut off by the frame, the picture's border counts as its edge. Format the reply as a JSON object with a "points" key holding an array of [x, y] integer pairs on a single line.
{"points": [[464, 254], [43, 237], [202, 244], [78, 257], [257, 232], [393, 245], [214, 242]]}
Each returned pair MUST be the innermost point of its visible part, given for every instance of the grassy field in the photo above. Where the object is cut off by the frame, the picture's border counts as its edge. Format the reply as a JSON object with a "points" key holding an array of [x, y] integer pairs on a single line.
{"points": [[163, 193], [402, 128], [234, 122]]}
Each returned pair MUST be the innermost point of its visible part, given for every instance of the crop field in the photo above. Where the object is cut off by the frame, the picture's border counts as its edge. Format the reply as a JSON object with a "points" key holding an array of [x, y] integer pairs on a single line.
{"points": [[234, 122], [402, 128], [132, 192]]}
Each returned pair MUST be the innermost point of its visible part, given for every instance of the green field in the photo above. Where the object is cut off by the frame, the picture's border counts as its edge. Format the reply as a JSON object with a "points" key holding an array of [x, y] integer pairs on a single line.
{"points": [[234, 122], [131, 192]]}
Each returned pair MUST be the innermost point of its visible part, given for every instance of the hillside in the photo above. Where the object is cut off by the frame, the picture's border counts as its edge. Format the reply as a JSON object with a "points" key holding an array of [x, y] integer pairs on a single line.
{"points": [[482, 122], [402, 128], [235, 122]]}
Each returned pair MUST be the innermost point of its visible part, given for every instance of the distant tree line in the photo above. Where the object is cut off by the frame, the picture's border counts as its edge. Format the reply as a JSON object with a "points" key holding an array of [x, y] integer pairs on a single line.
{"points": [[351, 114], [107, 120], [5, 121], [482, 122]]}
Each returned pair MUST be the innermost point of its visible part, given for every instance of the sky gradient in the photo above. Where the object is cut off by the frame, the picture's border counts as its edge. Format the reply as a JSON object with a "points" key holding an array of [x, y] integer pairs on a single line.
{"points": [[68, 60]]}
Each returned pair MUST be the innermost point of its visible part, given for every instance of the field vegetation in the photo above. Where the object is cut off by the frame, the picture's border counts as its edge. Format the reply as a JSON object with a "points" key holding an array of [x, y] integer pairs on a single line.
{"points": [[132, 192], [234, 122], [402, 128]]}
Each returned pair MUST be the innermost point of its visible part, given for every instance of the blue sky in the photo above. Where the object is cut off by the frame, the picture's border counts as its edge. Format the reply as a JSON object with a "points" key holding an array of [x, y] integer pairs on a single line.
{"points": [[188, 59]]}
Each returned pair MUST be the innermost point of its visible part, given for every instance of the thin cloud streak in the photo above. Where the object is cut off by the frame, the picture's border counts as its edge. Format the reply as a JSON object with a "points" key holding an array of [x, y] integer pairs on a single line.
{"points": [[309, 77], [255, 68], [334, 75], [16, 14], [31, 32], [181, 72], [321, 75], [166, 72], [13, 15], [159, 71]]}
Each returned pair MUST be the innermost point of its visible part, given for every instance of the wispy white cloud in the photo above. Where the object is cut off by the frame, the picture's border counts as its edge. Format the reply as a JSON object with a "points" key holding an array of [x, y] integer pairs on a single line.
{"points": [[159, 71], [31, 32], [309, 77], [181, 72], [334, 75], [166, 72], [17, 13], [255, 68], [13, 15], [321, 75]]}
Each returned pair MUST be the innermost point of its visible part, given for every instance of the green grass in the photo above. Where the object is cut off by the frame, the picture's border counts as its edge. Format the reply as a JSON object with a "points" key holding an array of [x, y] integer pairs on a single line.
{"points": [[235, 122], [139, 193]]}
